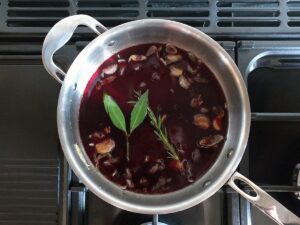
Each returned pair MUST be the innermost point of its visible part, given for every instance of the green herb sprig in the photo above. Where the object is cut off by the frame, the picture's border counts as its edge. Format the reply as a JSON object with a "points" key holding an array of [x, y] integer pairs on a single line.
{"points": [[160, 130], [117, 117], [162, 134]]}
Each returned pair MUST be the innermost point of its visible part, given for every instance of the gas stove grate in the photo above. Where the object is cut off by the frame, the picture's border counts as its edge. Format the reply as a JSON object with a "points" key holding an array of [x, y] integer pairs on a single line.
{"points": [[225, 18], [293, 13], [248, 14]]}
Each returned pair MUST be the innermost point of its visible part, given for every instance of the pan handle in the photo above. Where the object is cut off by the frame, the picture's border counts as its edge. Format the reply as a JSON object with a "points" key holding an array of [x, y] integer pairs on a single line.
{"points": [[264, 202], [59, 35]]}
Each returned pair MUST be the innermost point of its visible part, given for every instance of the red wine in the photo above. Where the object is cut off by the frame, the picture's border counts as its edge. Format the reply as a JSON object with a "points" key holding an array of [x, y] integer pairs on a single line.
{"points": [[182, 90]]}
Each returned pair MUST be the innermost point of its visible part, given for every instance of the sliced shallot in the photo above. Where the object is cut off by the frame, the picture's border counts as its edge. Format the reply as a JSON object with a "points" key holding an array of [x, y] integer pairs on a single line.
{"points": [[111, 69], [136, 66], [176, 71], [105, 146], [217, 123], [192, 57], [204, 110], [109, 79], [210, 141], [202, 121], [191, 70], [129, 183], [199, 79], [184, 82], [171, 49], [196, 101], [137, 58], [151, 50], [122, 66], [155, 76], [163, 61], [173, 58]]}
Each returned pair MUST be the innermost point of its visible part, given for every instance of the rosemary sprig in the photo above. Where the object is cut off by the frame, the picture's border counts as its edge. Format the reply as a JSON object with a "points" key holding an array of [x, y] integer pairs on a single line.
{"points": [[160, 131], [162, 134]]}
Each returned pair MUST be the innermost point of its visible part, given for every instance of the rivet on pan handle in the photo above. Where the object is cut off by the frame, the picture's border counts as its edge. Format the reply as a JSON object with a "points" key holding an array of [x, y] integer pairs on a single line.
{"points": [[264, 202], [59, 35]]}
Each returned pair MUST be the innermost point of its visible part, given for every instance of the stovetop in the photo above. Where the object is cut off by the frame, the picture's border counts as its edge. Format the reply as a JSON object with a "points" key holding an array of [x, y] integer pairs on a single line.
{"points": [[36, 184]]}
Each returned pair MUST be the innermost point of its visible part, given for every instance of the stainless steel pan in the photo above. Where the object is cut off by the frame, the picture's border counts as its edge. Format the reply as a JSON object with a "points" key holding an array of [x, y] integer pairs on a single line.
{"points": [[154, 31]]}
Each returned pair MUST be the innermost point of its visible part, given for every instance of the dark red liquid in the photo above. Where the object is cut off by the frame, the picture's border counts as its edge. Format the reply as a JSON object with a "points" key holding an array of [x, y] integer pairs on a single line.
{"points": [[150, 170]]}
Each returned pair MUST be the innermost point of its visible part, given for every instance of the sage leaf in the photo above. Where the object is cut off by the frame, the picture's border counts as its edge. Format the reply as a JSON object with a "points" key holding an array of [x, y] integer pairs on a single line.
{"points": [[114, 112], [139, 111]]}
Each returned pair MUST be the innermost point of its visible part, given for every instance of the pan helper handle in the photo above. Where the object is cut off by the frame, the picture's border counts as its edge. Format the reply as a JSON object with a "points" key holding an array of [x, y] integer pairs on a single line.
{"points": [[264, 202], [59, 35]]}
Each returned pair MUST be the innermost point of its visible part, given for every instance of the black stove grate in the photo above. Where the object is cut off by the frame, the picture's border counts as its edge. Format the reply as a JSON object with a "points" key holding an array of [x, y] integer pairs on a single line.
{"points": [[225, 18], [248, 14], [193, 13], [30, 14]]}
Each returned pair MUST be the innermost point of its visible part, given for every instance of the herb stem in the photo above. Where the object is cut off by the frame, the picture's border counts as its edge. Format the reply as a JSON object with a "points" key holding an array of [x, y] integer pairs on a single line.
{"points": [[127, 147]]}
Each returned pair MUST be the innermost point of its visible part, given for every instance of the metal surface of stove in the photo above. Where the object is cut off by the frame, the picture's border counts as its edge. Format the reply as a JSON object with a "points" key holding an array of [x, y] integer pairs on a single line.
{"points": [[36, 186], [222, 18]]}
